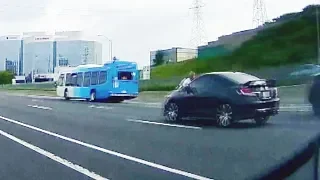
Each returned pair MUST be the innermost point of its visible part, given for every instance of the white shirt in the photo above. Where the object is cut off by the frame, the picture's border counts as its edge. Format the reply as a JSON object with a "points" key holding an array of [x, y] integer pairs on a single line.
{"points": [[186, 82]]}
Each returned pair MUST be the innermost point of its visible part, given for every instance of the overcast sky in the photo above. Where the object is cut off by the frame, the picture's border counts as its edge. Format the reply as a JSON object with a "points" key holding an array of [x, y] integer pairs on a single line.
{"points": [[137, 26]]}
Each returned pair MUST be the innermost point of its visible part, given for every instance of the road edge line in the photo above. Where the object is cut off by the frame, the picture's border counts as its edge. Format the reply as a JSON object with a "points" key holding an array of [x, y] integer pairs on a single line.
{"points": [[53, 157]]}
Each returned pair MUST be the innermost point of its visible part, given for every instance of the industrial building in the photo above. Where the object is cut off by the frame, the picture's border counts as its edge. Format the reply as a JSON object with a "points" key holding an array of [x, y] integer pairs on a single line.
{"points": [[226, 44], [42, 52], [174, 55]]}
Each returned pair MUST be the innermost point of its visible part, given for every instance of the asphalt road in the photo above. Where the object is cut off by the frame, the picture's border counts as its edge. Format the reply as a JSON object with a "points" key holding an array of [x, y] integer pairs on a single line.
{"points": [[55, 139]]}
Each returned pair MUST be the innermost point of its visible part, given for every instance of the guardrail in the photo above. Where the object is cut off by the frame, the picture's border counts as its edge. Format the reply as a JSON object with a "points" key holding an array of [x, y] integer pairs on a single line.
{"points": [[303, 164]]}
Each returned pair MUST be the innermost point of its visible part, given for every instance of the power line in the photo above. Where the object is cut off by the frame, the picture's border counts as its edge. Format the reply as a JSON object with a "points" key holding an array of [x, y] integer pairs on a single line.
{"points": [[198, 30], [259, 13]]}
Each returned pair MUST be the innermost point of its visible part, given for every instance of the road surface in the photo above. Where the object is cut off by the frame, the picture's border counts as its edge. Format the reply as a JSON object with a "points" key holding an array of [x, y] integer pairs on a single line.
{"points": [[54, 139]]}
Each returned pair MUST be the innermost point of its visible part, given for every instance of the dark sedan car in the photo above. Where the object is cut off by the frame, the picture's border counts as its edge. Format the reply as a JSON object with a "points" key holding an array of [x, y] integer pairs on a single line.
{"points": [[225, 97]]}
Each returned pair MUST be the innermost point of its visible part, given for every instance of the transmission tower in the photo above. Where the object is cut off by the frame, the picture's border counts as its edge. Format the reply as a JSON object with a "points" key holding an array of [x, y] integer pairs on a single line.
{"points": [[198, 29], [259, 13]]}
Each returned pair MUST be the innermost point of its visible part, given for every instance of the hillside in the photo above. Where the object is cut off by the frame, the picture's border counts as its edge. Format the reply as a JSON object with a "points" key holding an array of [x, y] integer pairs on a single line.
{"points": [[294, 41]]}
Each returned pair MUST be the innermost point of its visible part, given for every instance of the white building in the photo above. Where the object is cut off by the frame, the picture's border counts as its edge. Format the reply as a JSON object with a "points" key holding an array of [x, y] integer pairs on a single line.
{"points": [[11, 53], [76, 49], [43, 52]]}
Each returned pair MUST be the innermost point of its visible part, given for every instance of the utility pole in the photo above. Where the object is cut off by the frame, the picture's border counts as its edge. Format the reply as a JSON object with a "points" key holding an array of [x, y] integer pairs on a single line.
{"points": [[110, 42]]}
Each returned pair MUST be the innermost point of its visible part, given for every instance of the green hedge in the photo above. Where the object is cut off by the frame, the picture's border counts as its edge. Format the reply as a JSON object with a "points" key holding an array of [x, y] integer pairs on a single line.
{"points": [[157, 87]]}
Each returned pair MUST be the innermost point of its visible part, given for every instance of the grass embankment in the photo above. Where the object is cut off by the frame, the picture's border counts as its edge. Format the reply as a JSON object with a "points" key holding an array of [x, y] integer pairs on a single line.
{"points": [[292, 41]]}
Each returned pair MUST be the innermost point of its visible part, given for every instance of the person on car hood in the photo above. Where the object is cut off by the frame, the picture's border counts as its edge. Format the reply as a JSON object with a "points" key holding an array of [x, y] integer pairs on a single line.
{"points": [[186, 81]]}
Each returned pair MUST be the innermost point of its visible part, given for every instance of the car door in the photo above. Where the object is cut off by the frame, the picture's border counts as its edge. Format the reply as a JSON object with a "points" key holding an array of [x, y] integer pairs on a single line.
{"points": [[200, 88], [184, 98], [212, 91], [191, 96]]}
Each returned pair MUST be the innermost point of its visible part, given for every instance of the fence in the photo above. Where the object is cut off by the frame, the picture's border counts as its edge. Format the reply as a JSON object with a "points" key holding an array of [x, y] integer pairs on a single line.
{"points": [[304, 164]]}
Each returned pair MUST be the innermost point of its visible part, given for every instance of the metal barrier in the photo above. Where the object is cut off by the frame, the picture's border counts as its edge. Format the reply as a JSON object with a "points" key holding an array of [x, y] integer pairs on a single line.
{"points": [[304, 164]]}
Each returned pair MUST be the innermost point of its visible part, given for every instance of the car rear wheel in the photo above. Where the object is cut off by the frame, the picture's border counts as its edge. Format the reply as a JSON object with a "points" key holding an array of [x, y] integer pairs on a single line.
{"points": [[224, 115], [261, 120], [171, 112]]}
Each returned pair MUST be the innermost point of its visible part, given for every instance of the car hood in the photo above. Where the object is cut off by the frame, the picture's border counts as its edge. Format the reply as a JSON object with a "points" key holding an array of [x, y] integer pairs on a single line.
{"points": [[172, 93]]}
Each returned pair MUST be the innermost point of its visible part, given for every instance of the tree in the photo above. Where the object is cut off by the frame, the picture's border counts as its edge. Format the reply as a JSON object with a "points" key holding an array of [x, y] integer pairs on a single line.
{"points": [[6, 77], [158, 60]]}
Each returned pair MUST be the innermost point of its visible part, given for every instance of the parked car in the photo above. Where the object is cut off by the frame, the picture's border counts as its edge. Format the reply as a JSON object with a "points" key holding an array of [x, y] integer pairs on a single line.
{"points": [[313, 96], [306, 70], [225, 97]]}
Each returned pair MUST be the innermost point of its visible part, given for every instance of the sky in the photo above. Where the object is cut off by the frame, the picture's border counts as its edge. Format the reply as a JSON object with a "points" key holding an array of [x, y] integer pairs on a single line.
{"points": [[137, 27]]}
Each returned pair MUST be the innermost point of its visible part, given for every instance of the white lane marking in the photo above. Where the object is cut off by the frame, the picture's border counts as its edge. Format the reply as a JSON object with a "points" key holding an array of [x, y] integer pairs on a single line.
{"points": [[53, 157], [141, 102], [163, 124], [40, 107], [35, 100], [99, 107], [292, 86], [295, 110], [130, 158], [42, 97], [295, 105]]}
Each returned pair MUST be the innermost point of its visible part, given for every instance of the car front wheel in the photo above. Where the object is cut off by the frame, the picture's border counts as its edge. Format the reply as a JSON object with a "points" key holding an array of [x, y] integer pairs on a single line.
{"points": [[171, 112]]}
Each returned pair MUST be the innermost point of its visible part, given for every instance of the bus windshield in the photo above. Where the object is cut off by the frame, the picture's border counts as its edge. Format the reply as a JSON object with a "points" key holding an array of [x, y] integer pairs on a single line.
{"points": [[60, 80], [125, 75]]}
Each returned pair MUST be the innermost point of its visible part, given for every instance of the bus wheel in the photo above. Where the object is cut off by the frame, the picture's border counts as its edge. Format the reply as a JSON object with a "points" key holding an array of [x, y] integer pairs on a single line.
{"points": [[92, 96], [66, 95]]}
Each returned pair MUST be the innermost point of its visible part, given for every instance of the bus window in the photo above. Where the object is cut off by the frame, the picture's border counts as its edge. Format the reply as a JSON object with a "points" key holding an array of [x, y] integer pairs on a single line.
{"points": [[79, 79], [102, 77], [68, 79], [94, 78], [60, 80], [74, 79], [125, 75], [86, 79]]}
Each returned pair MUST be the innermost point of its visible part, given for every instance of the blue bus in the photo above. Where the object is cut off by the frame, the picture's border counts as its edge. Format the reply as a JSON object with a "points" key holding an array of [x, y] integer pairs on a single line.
{"points": [[116, 81]]}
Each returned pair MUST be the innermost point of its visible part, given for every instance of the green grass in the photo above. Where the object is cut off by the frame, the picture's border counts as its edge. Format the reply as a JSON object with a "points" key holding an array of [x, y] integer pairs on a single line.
{"points": [[293, 41]]}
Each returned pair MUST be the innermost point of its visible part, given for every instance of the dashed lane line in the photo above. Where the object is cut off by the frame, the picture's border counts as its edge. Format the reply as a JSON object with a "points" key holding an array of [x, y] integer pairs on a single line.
{"points": [[40, 107], [163, 124], [100, 107], [53, 157]]}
